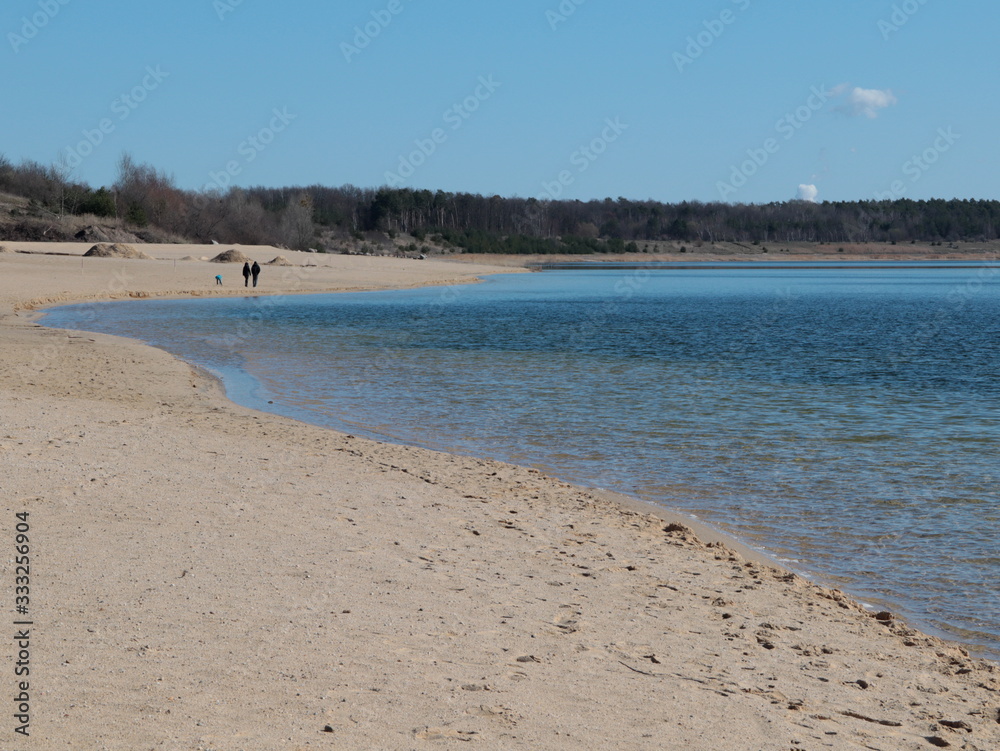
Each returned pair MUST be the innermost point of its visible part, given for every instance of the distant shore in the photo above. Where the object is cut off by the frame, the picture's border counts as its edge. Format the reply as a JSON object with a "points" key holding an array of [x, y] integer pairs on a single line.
{"points": [[209, 576], [764, 253]]}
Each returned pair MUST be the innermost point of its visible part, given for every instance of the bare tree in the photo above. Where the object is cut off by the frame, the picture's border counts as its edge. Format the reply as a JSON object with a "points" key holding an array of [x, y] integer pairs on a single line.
{"points": [[146, 194], [297, 229]]}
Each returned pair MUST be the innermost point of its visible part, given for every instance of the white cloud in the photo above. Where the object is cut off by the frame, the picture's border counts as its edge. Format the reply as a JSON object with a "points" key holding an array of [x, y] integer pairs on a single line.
{"points": [[808, 193], [868, 102]]}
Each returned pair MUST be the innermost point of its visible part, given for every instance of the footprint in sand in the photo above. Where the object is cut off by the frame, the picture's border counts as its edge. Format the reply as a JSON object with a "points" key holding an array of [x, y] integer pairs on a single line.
{"points": [[568, 623], [504, 715]]}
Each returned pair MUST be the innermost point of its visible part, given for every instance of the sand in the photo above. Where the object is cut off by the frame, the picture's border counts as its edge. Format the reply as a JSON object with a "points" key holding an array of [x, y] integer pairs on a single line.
{"points": [[209, 577]]}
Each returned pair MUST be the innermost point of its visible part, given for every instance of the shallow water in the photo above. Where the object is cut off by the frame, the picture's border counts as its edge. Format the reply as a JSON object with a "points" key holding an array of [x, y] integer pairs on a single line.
{"points": [[846, 420]]}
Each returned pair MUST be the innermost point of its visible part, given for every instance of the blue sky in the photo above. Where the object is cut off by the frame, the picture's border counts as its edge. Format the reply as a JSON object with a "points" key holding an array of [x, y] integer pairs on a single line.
{"points": [[738, 100]]}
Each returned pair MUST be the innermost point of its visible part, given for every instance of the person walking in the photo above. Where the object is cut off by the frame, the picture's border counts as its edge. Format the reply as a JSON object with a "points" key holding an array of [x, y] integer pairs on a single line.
{"points": [[246, 275], [255, 270]]}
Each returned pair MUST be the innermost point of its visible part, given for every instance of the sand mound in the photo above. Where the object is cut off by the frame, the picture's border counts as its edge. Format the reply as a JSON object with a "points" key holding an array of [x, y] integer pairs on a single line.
{"points": [[3, 249], [230, 256], [117, 250], [189, 258], [279, 261]]}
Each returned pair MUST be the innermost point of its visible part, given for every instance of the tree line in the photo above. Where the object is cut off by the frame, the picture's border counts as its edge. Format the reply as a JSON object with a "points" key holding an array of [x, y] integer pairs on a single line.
{"points": [[311, 216]]}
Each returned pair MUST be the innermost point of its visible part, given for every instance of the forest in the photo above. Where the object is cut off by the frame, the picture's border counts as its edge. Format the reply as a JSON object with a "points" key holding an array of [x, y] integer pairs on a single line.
{"points": [[314, 217]]}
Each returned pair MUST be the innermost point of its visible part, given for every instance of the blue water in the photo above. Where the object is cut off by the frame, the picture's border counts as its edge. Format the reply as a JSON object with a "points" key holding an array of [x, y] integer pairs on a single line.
{"points": [[846, 420]]}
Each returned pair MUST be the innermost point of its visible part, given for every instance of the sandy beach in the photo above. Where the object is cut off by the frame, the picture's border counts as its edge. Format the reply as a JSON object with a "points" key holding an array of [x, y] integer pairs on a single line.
{"points": [[208, 577]]}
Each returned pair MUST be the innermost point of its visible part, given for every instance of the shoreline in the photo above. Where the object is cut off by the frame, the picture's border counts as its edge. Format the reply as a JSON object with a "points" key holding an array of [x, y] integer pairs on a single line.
{"points": [[715, 530], [481, 601], [704, 531]]}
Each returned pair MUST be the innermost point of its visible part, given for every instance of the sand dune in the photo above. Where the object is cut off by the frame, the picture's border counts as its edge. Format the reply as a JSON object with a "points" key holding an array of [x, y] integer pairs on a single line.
{"points": [[210, 577]]}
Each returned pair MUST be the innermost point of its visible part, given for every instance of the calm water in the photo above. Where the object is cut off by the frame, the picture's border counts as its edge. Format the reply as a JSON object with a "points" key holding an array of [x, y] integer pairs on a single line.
{"points": [[847, 420]]}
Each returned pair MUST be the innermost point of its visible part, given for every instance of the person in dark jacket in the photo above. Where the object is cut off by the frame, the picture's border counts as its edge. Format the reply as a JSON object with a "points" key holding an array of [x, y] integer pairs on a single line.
{"points": [[255, 270], [246, 275]]}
